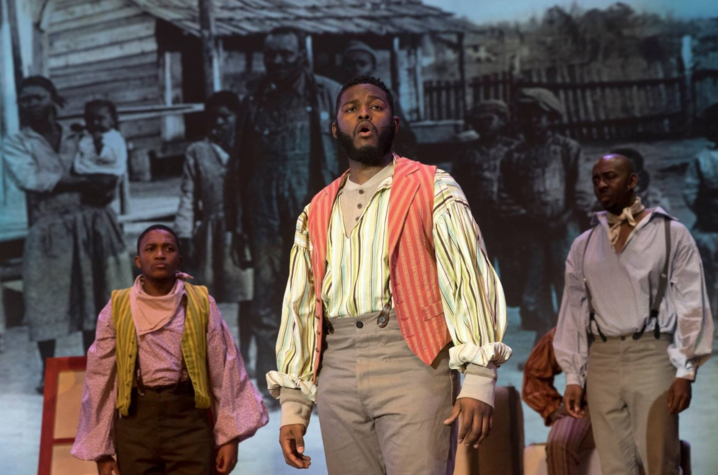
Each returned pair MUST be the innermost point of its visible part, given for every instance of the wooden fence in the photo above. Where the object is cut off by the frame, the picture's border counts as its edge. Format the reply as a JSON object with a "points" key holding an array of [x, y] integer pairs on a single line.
{"points": [[596, 108]]}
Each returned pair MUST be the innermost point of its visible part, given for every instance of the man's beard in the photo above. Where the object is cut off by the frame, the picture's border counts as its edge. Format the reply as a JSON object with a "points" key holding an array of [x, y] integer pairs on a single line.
{"points": [[368, 154]]}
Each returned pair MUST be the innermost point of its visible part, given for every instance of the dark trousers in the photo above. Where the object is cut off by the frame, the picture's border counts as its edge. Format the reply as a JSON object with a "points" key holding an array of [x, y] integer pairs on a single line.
{"points": [[544, 258], [164, 433]]}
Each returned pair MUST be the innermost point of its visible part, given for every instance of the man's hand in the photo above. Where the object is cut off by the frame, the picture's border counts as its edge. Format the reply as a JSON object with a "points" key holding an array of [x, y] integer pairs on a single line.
{"points": [[291, 438], [227, 457], [679, 395], [107, 466], [241, 256], [477, 420], [573, 399]]}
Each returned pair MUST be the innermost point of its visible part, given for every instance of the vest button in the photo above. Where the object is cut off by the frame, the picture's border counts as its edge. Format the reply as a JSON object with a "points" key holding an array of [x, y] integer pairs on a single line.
{"points": [[360, 324]]}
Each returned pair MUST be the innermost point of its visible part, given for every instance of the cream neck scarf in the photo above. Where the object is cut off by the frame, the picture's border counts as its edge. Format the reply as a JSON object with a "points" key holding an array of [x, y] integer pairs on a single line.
{"points": [[149, 312], [615, 221]]}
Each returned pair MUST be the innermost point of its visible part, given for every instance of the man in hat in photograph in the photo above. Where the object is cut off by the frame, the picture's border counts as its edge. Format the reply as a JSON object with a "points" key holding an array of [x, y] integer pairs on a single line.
{"points": [[283, 154], [476, 170], [360, 59], [543, 196]]}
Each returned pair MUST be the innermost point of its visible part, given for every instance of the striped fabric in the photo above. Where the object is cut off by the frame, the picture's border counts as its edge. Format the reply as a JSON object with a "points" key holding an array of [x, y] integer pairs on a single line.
{"points": [[411, 213], [194, 344]]}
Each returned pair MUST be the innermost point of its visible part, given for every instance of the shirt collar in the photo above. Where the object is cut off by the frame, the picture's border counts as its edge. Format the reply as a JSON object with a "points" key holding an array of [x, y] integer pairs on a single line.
{"points": [[599, 217]]}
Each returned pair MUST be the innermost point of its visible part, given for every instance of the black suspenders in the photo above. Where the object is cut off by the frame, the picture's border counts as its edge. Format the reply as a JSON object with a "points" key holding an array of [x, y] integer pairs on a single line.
{"points": [[660, 293]]}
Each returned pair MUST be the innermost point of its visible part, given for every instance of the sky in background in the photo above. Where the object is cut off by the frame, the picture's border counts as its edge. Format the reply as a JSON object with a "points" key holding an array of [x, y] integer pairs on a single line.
{"points": [[489, 11]]}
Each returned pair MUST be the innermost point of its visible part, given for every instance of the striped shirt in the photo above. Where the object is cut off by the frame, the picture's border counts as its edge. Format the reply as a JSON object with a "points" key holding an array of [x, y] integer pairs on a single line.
{"points": [[357, 282]]}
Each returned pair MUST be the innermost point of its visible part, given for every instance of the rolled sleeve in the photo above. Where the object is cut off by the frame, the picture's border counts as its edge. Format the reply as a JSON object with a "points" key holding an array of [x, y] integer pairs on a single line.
{"points": [[693, 336], [571, 343], [238, 407], [95, 429], [472, 296], [298, 329]]}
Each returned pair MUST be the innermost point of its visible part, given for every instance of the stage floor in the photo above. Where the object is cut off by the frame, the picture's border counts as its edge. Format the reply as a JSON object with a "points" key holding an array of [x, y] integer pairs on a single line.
{"points": [[21, 410]]}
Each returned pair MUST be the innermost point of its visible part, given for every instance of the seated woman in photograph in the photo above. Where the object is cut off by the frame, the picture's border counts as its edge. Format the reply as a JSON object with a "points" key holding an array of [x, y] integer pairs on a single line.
{"points": [[164, 353]]}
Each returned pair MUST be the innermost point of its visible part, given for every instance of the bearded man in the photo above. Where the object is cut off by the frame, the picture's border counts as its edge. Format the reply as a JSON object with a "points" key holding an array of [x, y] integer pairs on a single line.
{"points": [[390, 290]]}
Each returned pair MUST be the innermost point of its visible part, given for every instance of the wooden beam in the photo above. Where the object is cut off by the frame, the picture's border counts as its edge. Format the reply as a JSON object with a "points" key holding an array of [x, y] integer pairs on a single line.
{"points": [[310, 52], [395, 83], [209, 51], [462, 71]]}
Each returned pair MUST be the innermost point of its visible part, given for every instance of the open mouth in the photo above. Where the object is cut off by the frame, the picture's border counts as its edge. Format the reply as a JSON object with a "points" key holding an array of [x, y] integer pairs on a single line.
{"points": [[365, 130]]}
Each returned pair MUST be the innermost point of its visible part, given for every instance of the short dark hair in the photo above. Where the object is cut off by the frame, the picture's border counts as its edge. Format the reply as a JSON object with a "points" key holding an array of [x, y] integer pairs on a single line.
{"points": [[223, 98], [367, 80], [100, 103], [158, 227]]}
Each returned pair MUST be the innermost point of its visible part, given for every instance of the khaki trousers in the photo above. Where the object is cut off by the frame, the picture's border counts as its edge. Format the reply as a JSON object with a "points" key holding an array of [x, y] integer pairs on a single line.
{"points": [[627, 388], [381, 409]]}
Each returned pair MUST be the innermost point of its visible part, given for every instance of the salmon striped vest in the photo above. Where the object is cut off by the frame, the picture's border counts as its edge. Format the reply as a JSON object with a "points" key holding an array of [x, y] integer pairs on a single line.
{"points": [[413, 276], [194, 344]]}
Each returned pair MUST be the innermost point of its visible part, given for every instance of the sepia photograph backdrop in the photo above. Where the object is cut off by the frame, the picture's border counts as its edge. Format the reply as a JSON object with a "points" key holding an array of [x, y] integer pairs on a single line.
{"points": [[632, 76]]}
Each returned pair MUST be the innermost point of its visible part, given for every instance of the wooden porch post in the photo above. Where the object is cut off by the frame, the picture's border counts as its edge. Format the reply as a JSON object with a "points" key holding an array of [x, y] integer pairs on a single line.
{"points": [[462, 72], [310, 52], [209, 50], [395, 83]]}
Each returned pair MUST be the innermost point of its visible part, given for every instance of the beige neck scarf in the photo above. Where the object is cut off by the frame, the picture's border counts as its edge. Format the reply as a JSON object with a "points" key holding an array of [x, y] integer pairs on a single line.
{"points": [[615, 221], [149, 312]]}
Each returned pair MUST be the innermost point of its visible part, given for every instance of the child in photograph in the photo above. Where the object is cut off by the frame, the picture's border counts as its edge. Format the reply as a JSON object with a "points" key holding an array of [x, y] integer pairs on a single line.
{"points": [[102, 149]]}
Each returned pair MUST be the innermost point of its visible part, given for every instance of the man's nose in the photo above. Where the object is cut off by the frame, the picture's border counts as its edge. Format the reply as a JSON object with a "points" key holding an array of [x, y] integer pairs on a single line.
{"points": [[364, 114]]}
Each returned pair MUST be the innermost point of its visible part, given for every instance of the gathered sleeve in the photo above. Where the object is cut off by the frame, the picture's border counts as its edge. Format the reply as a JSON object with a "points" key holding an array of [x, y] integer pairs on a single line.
{"points": [[693, 336], [95, 430], [541, 367], [571, 341], [298, 330], [238, 408], [471, 293], [24, 169]]}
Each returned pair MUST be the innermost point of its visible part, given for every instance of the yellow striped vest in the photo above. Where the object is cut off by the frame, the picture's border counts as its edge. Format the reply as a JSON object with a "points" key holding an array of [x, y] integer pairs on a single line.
{"points": [[194, 344]]}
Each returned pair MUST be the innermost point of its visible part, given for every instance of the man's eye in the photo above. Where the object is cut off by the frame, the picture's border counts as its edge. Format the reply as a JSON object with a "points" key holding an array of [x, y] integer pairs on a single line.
{"points": [[350, 109], [377, 108]]}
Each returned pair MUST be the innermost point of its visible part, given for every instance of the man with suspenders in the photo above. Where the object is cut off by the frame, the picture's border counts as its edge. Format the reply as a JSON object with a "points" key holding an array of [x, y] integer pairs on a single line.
{"points": [[634, 325]]}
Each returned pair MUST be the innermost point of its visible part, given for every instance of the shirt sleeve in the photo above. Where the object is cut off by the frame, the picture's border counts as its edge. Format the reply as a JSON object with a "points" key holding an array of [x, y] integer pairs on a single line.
{"points": [[184, 220], [541, 367], [693, 336], [238, 408], [95, 430], [298, 330], [571, 342], [23, 169], [472, 296]]}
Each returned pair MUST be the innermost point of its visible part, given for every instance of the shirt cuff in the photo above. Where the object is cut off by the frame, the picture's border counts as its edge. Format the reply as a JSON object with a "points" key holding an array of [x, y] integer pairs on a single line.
{"points": [[296, 407], [276, 381], [689, 374], [574, 379], [479, 383], [472, 354]]}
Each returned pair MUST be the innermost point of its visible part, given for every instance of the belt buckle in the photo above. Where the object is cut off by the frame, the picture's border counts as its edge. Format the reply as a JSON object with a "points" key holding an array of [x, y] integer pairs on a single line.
{"points": [[383, 319]]}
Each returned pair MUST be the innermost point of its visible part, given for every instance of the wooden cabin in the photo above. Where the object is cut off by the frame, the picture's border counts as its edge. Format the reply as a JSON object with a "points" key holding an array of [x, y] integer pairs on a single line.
{"points": [[146, 55]]}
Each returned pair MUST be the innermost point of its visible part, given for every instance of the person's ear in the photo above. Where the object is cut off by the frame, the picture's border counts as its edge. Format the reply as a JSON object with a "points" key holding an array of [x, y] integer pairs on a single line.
{"points": [[334, 129], [137, 262], [632, 181]]}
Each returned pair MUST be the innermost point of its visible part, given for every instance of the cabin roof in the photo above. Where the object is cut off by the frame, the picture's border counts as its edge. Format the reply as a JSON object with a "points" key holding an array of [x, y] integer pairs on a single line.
{"points": [[344, 17]]}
